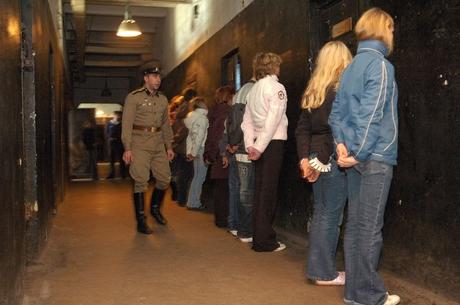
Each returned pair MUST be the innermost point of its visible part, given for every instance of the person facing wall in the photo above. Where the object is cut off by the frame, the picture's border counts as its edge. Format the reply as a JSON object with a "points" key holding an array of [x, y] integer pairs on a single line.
{"points": [[197, 124], [265, 132], [219, 173], [315, 149], [364, 123], [241, 169], [181, 169]]}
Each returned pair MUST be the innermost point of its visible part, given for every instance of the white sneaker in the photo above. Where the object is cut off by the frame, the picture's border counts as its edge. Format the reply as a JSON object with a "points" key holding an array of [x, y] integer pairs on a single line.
{"points": [[233, 232], [281, 247], [246, 239], [338, 281], [392, 299]]}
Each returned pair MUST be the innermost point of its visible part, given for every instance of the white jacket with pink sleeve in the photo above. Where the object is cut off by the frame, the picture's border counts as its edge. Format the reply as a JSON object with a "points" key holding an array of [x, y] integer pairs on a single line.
{"points": [[265, 114]]}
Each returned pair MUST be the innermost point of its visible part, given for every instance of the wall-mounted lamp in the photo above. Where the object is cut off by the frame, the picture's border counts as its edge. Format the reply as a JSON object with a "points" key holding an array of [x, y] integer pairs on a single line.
{"points": [[128, 27], [196, 11]]}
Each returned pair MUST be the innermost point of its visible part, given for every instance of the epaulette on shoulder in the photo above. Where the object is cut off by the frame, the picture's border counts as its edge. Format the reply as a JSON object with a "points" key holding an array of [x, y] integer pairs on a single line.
{"points": [[137, 91]]}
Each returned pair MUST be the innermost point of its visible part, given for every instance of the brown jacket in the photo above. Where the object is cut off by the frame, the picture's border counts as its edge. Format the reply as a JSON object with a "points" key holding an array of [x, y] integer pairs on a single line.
{"points": [[179, 129]]}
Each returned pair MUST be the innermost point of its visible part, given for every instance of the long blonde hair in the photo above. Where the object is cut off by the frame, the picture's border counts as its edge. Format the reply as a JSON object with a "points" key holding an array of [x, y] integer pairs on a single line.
{"points": [[376, 24], [332, 59]]}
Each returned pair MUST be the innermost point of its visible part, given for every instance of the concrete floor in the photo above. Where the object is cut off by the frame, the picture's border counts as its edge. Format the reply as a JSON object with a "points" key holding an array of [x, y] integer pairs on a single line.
{"points": [[94, 256]]}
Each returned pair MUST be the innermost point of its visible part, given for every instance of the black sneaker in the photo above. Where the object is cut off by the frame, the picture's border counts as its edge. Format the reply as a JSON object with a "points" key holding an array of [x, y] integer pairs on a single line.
{"points": [[200, 208]]}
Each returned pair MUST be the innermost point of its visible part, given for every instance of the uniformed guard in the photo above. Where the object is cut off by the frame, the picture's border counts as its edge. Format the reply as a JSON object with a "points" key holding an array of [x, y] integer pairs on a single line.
{"points": [[147, 139]]}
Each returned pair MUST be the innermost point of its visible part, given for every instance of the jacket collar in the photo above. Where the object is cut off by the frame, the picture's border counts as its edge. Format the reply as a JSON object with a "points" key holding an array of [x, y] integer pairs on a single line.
{"points": [[150, 93], [375, 46], [202, 111]]}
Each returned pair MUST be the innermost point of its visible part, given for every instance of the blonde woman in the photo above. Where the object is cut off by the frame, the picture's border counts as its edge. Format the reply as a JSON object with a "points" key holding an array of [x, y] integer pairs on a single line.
{"points": [[315, 150], [364, 123]]}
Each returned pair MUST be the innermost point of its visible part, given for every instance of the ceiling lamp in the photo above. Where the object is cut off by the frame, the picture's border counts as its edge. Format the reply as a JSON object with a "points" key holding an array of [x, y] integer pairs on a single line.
{"points": [[128, 27], [106, 91]]}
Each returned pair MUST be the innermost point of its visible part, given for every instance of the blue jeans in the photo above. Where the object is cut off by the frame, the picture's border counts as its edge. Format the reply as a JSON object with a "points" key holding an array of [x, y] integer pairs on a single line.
{"points": [[234, 194], [330, 194], [247, 188], [368, 188], [200, 169]]}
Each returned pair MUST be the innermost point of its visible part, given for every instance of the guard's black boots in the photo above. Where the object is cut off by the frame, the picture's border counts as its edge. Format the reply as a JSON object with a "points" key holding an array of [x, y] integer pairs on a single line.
{"points": [[142, 226], [155, 205]]}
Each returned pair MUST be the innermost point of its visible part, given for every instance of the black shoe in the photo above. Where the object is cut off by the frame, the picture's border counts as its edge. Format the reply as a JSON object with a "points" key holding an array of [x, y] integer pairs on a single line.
{"points": [[111, 176], [200, 208], [142, 226], [155, 205]]}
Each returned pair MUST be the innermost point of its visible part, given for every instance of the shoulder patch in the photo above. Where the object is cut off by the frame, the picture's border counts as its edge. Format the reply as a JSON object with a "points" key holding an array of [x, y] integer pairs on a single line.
{"points": [[137, 91], [281, 95]]}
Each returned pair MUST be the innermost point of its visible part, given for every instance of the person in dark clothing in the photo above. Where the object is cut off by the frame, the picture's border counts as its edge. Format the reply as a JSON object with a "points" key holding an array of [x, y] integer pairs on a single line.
{"points": [[89, 139], [113, 132], [315, 148], [217, 116], [241, 179], [181, 169]]}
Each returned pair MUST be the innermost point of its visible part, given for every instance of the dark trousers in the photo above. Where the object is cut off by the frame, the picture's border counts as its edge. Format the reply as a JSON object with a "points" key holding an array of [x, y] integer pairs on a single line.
{"points": [[220, 191], [92, 163], [182, 174], [116, 154], [267, 171]]}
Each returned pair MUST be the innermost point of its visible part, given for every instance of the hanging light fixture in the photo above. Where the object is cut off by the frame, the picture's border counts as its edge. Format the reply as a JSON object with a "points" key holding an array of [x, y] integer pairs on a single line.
{"points": [[106, 91], [128, 27]]}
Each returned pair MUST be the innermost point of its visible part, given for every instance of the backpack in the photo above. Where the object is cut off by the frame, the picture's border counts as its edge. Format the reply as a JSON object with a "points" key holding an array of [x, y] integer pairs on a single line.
{"points": [[234, 120]]}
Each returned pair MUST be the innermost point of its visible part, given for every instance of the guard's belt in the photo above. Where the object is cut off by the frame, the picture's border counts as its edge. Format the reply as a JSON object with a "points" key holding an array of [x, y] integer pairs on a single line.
{"points": [[147, 128]]}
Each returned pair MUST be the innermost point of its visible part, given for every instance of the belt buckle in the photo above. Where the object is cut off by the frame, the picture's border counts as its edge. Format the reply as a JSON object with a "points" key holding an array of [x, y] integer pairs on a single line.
{"points": [[152, 129]]}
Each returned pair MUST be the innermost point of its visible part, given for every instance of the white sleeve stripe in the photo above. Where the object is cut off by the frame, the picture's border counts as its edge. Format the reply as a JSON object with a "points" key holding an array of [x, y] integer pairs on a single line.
{"points": [[393, 117], [376, 106], [385, 93]]}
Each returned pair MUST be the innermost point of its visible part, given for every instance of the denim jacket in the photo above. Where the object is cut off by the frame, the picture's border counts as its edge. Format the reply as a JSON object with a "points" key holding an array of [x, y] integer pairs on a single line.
{"points": [[364, 114]]}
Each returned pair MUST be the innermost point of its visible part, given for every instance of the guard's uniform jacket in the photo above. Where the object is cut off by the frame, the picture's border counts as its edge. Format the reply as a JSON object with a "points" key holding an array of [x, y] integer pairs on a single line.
{"points": [[146, 132]]}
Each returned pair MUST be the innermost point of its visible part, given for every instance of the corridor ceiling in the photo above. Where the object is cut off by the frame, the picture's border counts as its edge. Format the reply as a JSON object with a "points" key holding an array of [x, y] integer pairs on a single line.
{"points": [[92, 46]]}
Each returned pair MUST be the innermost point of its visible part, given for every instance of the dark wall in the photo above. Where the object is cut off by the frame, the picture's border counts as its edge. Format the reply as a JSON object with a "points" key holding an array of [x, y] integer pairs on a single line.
{"points": [[42, 43], [256, 29], [422, 230], [423, 215], [32, 137], [11, 201], [46, 127]]}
